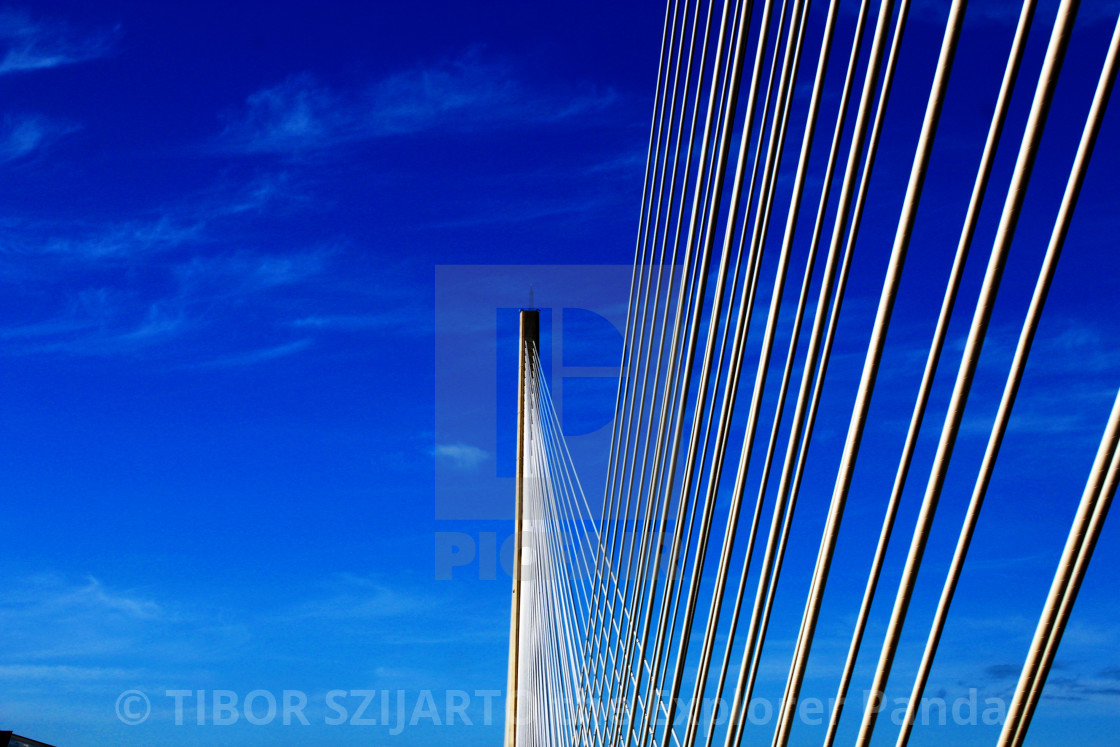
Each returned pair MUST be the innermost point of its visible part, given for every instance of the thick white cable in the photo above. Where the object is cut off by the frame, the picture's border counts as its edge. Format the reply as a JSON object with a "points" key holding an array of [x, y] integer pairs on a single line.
{"points": [[687, 349], [675, 379], [778, 130], [735, 726], [696, 110], [871, 365], [1015, 375], [733, 518], [1067, 582], [645, 231], [712, 335], [785, 500], [1040, 106], [952, 286]]}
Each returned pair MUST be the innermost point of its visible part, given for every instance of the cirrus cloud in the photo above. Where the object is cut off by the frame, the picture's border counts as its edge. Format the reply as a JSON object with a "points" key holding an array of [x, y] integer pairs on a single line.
{"points": [[463, 456], [301, 115], [34, 44]]}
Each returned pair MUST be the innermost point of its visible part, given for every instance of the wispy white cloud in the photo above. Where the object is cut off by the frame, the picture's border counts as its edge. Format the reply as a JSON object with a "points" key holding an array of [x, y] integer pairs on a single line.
{"points": [[50, 616], [66, 673], [94, 595], [403, 320], [34, 44], [88, 637], [125, 240], [21, 136], [260, 355], [133, 286], [46, 329], [439, 615], [529, 211], [70, 646], [192, 221], [155, 285], [358, 598], [183, 298], [463, 456], [295, 115], [244, 272], [627, 163], [255, 196], [301, 115], [97, 322], [470, 91]]}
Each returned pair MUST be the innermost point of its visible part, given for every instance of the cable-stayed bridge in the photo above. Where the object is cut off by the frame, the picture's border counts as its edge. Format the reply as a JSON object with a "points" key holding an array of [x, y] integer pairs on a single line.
{"points": [[655, 619]]}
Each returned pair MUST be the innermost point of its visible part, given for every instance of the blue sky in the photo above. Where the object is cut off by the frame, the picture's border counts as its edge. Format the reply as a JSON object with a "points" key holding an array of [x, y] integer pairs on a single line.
{"points": [[220, 231], [223, 414]]}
